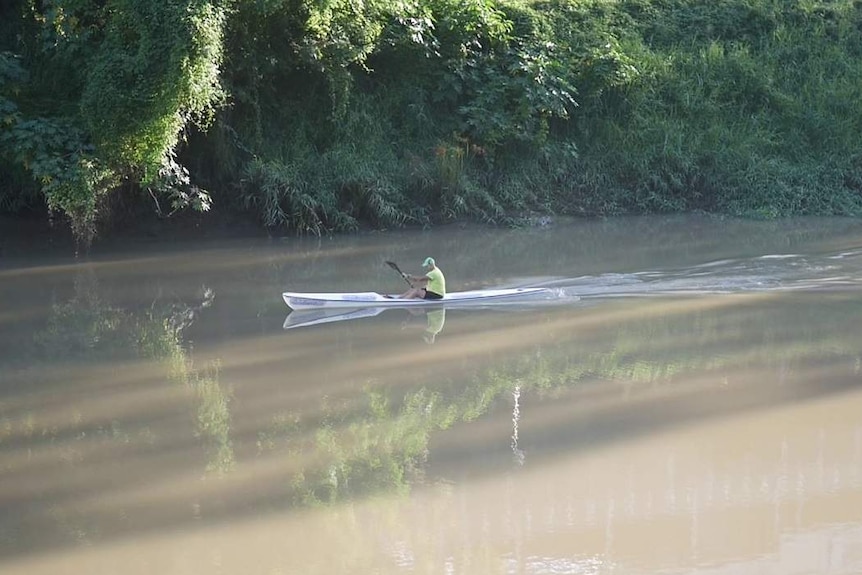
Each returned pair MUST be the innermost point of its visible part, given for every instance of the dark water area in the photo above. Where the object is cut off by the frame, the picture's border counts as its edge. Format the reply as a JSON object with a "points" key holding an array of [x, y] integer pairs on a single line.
{"points": [[689, 402]]}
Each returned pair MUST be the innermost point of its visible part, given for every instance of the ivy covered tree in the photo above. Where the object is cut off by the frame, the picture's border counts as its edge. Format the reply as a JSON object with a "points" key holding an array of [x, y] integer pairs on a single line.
{"points": [[96, 94]]}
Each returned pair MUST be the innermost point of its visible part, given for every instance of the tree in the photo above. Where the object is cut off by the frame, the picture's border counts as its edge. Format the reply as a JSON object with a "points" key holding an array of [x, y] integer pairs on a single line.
{"points": [[99, 93]]}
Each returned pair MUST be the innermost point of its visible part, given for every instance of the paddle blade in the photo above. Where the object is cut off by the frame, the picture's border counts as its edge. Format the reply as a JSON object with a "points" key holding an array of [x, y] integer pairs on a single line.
{"points": [[394, 266]]}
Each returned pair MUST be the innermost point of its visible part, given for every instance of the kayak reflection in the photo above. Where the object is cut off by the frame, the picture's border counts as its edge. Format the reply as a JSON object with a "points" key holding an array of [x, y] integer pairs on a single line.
{"points": [[434, 318], [309, 318]]}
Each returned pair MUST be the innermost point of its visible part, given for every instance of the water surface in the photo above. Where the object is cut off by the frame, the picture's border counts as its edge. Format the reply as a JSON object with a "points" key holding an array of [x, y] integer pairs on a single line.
{"points": [[690, 404]]}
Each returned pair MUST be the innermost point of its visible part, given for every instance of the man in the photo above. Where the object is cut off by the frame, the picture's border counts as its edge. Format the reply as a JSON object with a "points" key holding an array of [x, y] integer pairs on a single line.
{"points": [[430, 286]]}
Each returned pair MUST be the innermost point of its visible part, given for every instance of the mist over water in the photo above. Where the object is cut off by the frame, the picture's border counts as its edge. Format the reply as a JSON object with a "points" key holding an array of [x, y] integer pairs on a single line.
{"points": [[690, 403]]}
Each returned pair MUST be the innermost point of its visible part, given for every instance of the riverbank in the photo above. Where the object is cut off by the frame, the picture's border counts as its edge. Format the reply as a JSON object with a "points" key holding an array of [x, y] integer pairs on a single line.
{"points": [[589, 109]]}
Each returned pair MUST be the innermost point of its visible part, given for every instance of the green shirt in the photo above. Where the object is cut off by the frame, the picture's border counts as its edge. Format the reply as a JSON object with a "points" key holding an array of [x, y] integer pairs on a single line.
{"points": [[436, 282]]}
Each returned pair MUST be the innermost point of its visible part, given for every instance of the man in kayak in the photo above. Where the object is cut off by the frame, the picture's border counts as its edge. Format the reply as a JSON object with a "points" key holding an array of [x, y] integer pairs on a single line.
{"points": [[430, 286]]}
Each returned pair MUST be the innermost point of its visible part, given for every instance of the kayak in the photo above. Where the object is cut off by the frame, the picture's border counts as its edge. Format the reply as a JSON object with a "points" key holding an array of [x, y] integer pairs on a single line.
{"points": [[303, 301]]}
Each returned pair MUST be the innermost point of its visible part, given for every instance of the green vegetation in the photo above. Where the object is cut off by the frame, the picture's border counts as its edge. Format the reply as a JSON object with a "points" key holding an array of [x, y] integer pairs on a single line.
{"points": [[327, 116]]}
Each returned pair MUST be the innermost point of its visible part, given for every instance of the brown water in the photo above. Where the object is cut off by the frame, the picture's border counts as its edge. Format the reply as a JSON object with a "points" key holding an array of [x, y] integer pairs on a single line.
{"points": [[691, 402]]}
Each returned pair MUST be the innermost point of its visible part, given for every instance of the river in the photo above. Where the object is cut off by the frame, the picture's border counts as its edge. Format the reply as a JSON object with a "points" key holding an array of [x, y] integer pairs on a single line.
{"points": [[690, 401]]}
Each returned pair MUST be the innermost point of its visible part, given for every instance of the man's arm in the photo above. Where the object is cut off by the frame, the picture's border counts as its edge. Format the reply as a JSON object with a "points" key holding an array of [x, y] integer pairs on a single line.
{"points": [[421, 281]]}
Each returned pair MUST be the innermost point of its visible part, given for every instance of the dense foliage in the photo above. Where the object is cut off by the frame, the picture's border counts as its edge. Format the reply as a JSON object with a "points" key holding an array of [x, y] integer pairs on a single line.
{"points": [[321, 115]]}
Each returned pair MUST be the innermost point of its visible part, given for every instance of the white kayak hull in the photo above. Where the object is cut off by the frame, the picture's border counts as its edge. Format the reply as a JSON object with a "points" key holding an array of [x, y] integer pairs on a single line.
{"points": [[303, 301]]}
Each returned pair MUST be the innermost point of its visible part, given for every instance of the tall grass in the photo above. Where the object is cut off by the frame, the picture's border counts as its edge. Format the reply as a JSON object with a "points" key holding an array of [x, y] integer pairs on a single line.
{"points": [[743, 107], [763, 128]]}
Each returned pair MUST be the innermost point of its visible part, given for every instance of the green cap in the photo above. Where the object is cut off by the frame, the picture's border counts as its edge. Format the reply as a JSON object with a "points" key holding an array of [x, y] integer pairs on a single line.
{"points": [[428, 262]]}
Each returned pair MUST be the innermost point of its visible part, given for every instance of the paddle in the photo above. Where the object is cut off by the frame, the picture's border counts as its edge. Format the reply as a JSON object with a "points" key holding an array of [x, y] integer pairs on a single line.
{"points": [[395, 267]]}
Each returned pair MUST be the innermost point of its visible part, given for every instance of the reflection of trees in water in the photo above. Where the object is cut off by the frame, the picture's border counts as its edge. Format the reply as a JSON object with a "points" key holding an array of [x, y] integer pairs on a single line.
{"points": [[212, 414], [86, 327], [379, 446]]}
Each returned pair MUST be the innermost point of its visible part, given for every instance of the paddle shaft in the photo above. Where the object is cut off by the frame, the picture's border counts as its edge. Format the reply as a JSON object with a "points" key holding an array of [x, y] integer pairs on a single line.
{"points": [[395, 267]]}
